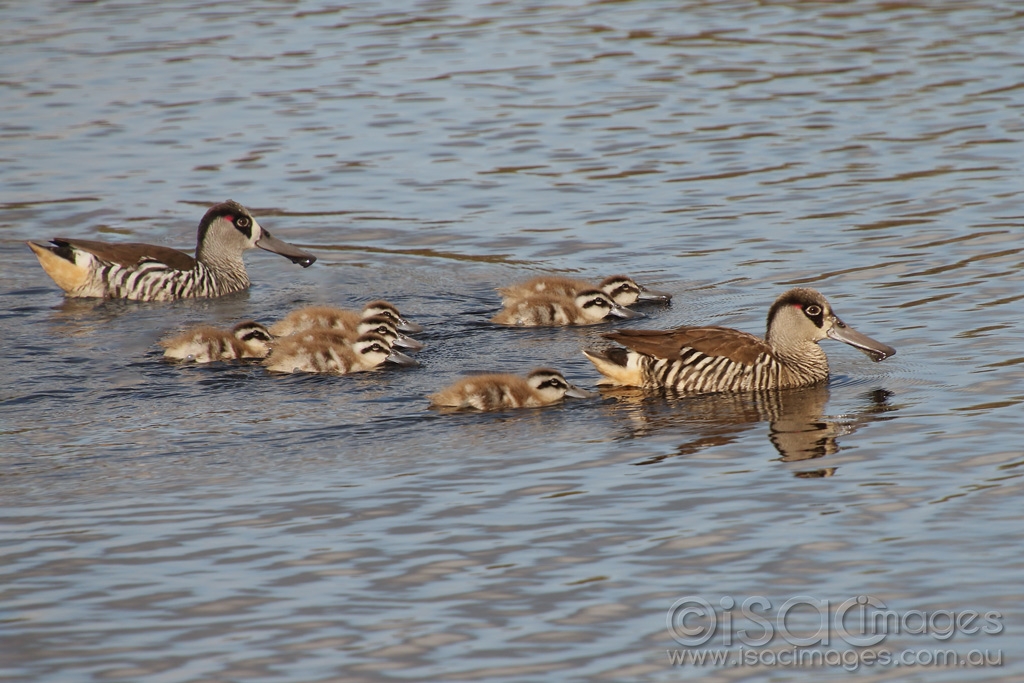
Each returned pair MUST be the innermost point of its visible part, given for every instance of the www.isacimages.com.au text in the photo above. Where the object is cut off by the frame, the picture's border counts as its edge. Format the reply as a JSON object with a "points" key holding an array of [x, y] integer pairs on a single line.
{"points": [[851, 660]]}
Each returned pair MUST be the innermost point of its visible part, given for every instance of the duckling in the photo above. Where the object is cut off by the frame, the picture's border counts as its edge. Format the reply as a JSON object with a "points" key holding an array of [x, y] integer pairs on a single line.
{"points": [[622, 289], [205, 344], [310, 317], [542, 387], [147, 272], [589, 307], [711, 359], [329, 351]]}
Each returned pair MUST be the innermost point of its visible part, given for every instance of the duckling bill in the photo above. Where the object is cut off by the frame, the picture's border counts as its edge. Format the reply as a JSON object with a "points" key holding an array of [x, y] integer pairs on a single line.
{"points": [[499, 391], [712, 359]]}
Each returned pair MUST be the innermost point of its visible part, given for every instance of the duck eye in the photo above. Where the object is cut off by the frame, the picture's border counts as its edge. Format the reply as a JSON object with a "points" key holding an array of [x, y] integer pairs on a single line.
{"points": [[243, 221], [813, 309]]}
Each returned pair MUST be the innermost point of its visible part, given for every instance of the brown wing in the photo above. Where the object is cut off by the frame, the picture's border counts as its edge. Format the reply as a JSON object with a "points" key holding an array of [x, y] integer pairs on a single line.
{"points": [[710, 341], [130, 253]]}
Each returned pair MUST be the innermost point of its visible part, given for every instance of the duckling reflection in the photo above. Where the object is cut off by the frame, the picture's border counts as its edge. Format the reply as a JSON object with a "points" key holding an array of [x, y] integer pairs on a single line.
{"points": [[798, 425]]}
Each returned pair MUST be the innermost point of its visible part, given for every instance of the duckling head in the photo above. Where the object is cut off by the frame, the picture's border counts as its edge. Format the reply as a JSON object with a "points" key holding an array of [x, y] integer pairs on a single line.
{"points": [[596, 305], [388, 310], [373, 350], [255, 337], [379, 325], [625, 291], [385, 327], [553, 387]]}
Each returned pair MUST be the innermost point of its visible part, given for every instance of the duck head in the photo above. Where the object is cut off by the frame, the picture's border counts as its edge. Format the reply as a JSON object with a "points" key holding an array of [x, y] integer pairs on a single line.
{"points": [[229, 228], [803, 315]]}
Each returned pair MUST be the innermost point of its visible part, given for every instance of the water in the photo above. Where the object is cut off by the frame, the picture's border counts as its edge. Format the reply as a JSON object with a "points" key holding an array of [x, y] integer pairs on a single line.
{"points": [[168, 523]]}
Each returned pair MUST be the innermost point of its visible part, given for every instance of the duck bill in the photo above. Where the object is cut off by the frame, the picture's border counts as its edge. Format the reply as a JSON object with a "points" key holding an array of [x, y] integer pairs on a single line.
{"points": [[407, 342], [875, 350], [653, 295], [408, 326], [623, 312], [575, 392], [289, 251], [399, 358]]}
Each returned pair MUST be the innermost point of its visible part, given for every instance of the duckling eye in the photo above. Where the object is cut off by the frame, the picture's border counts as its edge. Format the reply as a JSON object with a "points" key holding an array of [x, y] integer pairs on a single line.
{"points": [[243, 221], [813, 309]]}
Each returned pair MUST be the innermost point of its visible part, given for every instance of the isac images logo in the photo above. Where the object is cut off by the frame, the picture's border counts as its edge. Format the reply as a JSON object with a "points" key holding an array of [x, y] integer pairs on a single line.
{"points": [[804, 631]]}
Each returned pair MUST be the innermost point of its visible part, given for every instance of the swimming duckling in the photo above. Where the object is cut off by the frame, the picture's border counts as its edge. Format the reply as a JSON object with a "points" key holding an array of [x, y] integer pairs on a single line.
{"points": [[622, 289], [711, 359], [329, 351], [205, 344], [311, 317], [542, 387], [586, 308]]}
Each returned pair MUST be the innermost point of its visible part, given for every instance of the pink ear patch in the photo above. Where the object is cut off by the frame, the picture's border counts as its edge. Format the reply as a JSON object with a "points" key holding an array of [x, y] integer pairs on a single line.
{"points": [[229, 217]]}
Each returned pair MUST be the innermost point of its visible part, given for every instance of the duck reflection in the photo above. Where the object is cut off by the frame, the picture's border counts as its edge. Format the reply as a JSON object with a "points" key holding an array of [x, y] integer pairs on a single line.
{"points": [[798, 426]]}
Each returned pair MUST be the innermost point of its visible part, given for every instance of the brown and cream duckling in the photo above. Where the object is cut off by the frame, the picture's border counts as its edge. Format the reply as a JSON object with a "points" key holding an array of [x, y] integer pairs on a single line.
{"points": [[622, 289], [589, 307], [712, 359], [542, 387], [310, 317], [146, 272], [329, 351], [206, 344]]}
